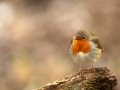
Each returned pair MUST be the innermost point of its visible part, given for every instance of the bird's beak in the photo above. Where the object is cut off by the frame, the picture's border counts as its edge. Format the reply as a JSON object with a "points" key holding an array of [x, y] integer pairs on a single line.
{"points": [[78, 38]]}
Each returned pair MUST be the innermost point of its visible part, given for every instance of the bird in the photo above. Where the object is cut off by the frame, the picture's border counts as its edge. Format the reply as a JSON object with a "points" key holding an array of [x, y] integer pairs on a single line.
{"points": [[85, 47]]}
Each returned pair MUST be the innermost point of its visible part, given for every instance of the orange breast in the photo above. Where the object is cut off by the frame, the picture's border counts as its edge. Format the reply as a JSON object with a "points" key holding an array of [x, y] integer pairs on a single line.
{"points": [[80, 46]]}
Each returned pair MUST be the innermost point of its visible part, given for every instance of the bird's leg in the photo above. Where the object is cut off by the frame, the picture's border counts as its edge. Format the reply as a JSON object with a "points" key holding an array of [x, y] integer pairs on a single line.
{"points": [[92, 65], [93, 68], [81, 73], [80, 66]]}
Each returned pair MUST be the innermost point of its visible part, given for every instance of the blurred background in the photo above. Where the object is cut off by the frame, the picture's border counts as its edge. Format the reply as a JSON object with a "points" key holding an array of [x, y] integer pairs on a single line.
{"points": [[35, 37]]}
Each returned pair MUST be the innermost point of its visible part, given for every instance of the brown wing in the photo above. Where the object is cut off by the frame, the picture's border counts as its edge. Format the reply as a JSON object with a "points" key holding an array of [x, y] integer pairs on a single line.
{"points": [[96, 41], [71, 43]]}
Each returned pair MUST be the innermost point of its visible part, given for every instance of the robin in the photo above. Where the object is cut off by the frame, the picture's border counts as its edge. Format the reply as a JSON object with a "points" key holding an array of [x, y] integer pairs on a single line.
{"points": [[85, 48]]}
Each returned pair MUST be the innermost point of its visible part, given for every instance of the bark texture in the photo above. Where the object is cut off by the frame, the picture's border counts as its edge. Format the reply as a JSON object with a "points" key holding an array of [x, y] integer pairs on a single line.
{"points": [[102, 79]]}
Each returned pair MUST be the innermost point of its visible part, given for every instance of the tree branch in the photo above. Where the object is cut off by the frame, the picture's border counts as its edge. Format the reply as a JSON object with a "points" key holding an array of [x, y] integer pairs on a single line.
{"points": [[102, 79]]}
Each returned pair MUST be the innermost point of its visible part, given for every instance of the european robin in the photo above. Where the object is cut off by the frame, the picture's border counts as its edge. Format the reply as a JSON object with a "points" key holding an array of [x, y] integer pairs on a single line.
{"points": [[85, 47]]}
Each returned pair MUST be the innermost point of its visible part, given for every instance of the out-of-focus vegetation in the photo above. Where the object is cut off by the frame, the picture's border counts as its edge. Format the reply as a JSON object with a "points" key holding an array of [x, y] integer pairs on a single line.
{"points": [[35, 37]]}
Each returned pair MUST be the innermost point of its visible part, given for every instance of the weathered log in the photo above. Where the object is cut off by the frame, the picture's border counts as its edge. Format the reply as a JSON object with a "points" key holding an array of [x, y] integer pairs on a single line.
{"points": [[102, 79]]}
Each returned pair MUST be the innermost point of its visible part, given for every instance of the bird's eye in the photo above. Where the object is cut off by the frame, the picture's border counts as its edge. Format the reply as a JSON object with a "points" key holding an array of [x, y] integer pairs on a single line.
{"points": [[83, 37]]}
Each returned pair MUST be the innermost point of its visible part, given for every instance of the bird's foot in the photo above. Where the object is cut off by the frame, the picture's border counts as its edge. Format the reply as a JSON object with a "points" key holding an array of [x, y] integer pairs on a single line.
{"points": [[92, 68], [81, 72]]}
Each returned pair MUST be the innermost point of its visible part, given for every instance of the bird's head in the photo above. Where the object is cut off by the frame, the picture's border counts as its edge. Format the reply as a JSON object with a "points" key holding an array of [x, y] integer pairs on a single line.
{"points": [[81, 41]]}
